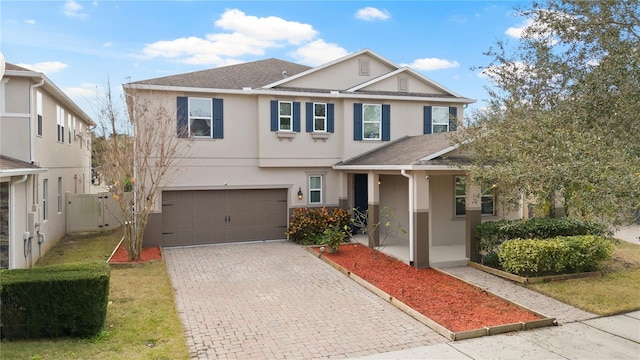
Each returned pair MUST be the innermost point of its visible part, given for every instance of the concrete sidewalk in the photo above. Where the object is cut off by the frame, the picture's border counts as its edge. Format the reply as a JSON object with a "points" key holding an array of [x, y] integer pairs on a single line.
{"points": [[613, 337]]}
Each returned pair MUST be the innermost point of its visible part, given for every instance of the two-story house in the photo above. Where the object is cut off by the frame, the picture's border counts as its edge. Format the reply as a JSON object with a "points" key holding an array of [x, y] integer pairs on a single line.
{"points": [[270, 136], [45, 152]]}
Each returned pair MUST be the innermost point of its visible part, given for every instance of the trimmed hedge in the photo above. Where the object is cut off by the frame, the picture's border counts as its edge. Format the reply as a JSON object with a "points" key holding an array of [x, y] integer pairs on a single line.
{"points": [[537, 228], [54, 301], [560, 255], [493, 233]]}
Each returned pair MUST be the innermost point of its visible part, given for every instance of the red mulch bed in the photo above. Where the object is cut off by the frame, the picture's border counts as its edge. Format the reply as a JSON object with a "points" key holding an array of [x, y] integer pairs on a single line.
{"points": [[446, 300], [148, 254]]}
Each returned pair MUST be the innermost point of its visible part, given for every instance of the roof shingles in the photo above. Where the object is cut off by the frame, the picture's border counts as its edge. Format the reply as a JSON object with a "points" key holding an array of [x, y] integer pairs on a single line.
{"points": [[404, 151], [254, 74]]}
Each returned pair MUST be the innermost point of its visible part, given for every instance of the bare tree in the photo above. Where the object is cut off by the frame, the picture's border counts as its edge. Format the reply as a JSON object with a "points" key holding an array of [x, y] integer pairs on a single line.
{"points": [[140, 153]]}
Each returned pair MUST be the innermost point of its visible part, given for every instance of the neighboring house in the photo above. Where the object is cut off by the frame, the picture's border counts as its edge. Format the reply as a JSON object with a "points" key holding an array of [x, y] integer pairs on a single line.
{"points": [[271, 136], [45, 152]]}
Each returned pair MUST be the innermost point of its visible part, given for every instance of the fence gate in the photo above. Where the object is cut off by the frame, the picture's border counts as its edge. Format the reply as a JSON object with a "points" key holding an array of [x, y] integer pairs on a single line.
{"points": [[91, 212]]}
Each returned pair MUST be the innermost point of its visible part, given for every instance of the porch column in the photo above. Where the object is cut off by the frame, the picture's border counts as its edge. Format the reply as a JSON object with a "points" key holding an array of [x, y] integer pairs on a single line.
{"points": [[473, 217], [373, 209], [421, 219], [343, 190]]}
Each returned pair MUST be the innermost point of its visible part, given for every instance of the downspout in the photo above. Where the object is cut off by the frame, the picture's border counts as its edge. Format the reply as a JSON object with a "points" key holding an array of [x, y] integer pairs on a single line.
{"points": [[410, 177], [32, 118], [12, 216]]}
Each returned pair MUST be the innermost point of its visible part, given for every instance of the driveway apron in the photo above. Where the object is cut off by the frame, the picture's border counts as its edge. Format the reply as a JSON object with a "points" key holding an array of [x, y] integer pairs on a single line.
{"points": [[274, 300]]}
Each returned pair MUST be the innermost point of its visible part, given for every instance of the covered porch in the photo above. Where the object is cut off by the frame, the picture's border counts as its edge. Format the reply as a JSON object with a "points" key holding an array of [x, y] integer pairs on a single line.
{"points": [[416, 178], [440, 256]]}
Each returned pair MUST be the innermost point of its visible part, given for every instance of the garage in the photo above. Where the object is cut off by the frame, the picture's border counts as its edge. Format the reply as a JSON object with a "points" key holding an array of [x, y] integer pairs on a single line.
{"points": [[197, 217]]}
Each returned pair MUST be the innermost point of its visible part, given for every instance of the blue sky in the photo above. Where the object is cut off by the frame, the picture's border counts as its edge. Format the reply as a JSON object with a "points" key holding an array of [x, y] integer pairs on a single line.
{"points": [[80, 45]]}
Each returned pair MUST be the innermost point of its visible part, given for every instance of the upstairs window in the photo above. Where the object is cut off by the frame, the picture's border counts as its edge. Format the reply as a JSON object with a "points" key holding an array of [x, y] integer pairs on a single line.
{"points": [[438, 119], [200, 117], [285, 118], [39, 112], [371, 122], [319, 117], [60, 124]]}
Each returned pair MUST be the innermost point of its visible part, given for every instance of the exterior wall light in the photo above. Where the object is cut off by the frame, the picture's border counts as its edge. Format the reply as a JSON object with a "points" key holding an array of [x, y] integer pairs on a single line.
{"points": [[300, 193]]}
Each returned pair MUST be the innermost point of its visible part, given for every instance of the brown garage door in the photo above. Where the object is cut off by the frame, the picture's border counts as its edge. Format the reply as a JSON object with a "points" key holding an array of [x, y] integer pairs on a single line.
{"points": [[221, 216]]}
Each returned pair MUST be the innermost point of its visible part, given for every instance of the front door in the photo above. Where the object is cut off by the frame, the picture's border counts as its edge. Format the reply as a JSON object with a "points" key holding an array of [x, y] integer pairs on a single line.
{"points": [[360, 195]]}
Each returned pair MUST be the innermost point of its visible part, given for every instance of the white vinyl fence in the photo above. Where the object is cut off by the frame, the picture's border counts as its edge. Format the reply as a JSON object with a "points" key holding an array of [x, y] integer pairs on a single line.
{"points": [[91, 212]]}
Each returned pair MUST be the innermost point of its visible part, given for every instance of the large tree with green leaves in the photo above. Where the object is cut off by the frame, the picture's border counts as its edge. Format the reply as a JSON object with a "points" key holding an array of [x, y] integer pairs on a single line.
{"points": [[563, 114]]}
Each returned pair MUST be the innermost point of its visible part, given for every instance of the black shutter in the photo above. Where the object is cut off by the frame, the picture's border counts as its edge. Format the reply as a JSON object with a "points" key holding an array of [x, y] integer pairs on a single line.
{"points": [[309, 116], [386, 122], [453, 118], [183, 116], [330, 125], [296, 116], [218, 119], [274, 115], [357, 121], [427, 120]]}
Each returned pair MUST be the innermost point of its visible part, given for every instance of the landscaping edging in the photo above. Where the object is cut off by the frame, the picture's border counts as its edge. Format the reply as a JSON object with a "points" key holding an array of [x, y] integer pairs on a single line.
{"points": [[532, 280], [461, 335], [129, 263]]}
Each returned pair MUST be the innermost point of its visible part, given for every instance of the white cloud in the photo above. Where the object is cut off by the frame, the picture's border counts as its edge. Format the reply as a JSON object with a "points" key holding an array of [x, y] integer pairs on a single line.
{"points": [[30, 21], [249, 35], [46, 67], [107, 44], [319, 52], [372, 14], [85, 91], [430, 64], [267, 28], [73, 9], [517, 31]]}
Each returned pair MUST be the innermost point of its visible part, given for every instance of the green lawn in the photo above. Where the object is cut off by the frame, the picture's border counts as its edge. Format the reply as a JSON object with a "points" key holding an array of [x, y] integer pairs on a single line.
{"points": [[617, 291], [142, 322]]}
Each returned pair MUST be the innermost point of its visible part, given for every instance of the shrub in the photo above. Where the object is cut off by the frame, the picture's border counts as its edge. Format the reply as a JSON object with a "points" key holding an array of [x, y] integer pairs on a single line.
{"points": [[54, 301], [307, 225], [560, 255], [333, 236], [493, 233]]}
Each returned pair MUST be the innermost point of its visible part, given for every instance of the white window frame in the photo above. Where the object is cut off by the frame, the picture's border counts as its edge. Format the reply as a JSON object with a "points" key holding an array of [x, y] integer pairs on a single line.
{"points": [[281, 116], [45, 195], [60, 124], [313, 190], [59, 195], [442, 120], [205, 118], [457, 197], [39, 116], [486, 194], [69, 127], [323, 118], [377, 121]]}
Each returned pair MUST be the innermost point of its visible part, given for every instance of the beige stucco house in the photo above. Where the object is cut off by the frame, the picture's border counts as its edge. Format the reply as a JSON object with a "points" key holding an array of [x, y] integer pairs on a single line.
{"points": [[45, 152], [270, 136]]}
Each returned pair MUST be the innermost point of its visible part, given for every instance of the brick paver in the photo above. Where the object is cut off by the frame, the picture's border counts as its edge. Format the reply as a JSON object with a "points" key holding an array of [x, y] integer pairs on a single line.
{"points": [[274, 300], [543, 304]]}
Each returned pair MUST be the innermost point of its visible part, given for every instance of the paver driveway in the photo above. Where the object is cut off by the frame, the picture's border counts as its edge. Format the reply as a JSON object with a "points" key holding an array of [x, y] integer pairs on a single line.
{"points": [[274, 300]]}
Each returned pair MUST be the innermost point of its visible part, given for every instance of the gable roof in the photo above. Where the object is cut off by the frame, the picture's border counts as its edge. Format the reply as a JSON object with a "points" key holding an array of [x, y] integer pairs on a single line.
{"points": [[323, 66], [253, 74], [53, 89], [406, 151]]}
